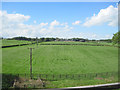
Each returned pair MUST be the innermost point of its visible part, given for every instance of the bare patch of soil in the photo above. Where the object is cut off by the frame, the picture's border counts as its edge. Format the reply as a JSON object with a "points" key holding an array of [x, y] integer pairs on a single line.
{"points": [[28, 83]]}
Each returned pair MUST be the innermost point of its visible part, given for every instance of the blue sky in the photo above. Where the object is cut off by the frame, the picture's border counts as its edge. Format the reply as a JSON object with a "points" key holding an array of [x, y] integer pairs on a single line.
{"points": [[60, 0], [74, 14]]}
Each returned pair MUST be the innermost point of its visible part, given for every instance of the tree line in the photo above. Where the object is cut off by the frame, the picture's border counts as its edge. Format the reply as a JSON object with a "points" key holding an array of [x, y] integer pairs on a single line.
{"points": [[58, 39], [115, 39]]}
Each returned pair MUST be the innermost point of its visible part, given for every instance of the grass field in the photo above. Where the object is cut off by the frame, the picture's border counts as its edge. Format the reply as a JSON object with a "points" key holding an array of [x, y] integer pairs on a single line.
{"points": [[14, 42], [62, 59]]}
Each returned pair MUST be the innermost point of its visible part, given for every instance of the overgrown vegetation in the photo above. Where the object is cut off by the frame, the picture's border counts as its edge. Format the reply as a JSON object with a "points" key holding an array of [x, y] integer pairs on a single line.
{"points": [[116, 38]]}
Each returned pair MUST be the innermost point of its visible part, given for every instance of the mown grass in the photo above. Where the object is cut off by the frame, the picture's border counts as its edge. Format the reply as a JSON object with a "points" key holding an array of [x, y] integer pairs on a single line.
{"points": [[62, 59], [76, 83], [14, 42], [56, 59]]}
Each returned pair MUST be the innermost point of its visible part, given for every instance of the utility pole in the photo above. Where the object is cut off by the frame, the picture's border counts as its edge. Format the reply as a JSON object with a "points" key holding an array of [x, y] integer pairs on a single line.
{"points": [[31, 62], [37, 41]]}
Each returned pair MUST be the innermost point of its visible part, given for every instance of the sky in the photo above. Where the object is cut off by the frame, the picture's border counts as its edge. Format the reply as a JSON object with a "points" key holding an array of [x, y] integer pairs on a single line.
{"points": [[90, 20], [60, 0]]}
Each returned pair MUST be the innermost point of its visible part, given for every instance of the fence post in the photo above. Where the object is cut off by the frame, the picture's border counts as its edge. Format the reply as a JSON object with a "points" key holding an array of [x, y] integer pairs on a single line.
{"points": [[66, 76], [53, 77], [73, 76], [96, 75], [79, 76], [60, 76]]}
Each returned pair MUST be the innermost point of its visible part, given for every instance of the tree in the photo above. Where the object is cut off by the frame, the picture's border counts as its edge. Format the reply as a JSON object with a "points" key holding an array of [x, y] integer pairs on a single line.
{"points": [[116, 38]]}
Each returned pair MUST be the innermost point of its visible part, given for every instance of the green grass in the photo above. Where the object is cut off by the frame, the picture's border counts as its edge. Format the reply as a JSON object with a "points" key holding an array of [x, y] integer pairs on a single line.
{"points": [[75, 83], [56, 59], [62, 59], [14, 42]]}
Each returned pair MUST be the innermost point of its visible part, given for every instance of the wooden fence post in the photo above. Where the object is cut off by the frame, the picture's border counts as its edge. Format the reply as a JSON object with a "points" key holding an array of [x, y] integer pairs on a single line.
{"points": [[53, 77], [96, 75], [78, 76], [73, 76], [60, 76], [66, 76]]}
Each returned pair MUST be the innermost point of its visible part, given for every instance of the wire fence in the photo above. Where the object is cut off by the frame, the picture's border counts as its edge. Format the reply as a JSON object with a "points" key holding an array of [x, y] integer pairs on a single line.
{"points": [[54, 77], [41, 80]]}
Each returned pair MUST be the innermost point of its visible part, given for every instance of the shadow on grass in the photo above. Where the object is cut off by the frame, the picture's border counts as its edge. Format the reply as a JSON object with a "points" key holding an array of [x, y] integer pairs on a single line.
{"points": [[8, 80]]}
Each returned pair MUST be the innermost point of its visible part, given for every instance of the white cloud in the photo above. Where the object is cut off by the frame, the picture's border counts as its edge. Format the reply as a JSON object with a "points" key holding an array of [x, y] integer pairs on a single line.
{"points": [[16, 27], [88, 35], [13, 18], [34, 21], [108, 36], [91, 35], [108, 15], [64, 24], [43, 24], [54, 23], [13, 25], [76, 23]]}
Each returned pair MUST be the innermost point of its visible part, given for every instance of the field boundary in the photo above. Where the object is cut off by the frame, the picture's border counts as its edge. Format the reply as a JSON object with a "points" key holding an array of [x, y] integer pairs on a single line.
{"points": [[9, 79], [16, 45], [54, 77], [84, 44], [58, 44]]}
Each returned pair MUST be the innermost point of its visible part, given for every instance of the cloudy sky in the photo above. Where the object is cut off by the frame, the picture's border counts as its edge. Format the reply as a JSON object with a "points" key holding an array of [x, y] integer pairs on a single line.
{"points": [[92, 20]]}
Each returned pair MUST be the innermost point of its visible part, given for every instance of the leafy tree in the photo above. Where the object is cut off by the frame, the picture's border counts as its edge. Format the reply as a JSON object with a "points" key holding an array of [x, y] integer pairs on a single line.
{"points": [[116, 38]]}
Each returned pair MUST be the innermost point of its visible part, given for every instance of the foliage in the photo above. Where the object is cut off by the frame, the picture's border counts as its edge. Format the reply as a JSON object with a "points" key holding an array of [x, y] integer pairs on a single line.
{"points": [[7, 80], [106, 40], [47, 39], [116, 38]]}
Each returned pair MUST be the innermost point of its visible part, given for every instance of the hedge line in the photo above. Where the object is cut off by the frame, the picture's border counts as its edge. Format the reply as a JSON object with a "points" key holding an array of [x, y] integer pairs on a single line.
{"points": [[82, 44], [16, 45]]}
